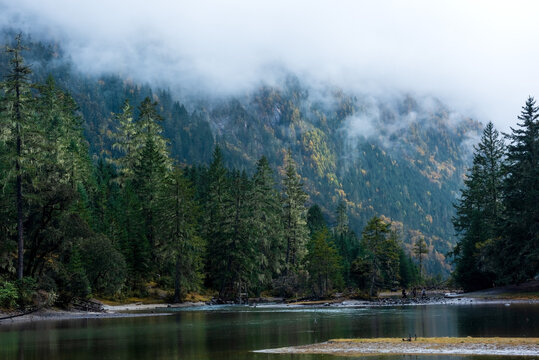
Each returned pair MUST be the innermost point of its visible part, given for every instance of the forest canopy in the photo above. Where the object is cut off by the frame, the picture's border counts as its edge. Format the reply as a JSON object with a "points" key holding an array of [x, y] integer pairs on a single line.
{"points": [[153, 211]]}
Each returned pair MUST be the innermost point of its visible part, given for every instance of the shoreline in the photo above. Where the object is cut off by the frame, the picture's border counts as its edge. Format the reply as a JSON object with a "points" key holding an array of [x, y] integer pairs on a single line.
{"points": [[418, 346], [109, 311], [144, 310]]}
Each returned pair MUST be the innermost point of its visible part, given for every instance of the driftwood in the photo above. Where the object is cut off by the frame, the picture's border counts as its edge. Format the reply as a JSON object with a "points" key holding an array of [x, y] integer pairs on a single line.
{"points": [[26, 312], [87, 305]]}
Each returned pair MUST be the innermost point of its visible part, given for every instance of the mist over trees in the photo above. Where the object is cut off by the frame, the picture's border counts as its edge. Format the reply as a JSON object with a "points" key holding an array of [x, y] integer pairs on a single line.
{"points": [[402, 157], [112, 225], [78, 223]]}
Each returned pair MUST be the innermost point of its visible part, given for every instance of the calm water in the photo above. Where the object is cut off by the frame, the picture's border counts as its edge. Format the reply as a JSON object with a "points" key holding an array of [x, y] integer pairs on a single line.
{"points": [[219, 333]]}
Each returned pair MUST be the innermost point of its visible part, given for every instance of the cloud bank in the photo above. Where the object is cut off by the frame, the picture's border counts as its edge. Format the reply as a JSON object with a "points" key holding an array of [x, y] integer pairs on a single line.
{"points": [[480, 57]]}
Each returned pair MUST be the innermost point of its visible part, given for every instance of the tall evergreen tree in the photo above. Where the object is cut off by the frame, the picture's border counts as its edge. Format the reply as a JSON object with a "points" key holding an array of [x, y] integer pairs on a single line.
{"points": [[239, 245], [346, 241], [217, 203], [181, 246], [381, 249], [342, 225], [478, 213], [143, 164], [315, 220], [409, 272], [324, 264], [294, 217], [16, 123], [519, 246], [420, 250], [152, 164], [106, 199], [265, 209], [126, 142], [129, 230], [57, 191]]}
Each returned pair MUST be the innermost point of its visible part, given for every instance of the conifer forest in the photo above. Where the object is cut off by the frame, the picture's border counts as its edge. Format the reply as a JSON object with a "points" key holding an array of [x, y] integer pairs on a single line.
{"points": [[109, 188]]}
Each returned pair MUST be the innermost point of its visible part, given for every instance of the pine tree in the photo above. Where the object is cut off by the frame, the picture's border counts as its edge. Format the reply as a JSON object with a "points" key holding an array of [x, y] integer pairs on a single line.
{"points": [[346, 241], [490, 154], [294, 217], [180, 243], [265, 209], [381, 251], [420, 250], [240, 246], [519, 247], [409, 272], [342, 219], [217, 203], [16, 123], [131, 236], [143, 164], [324, 264], [105, 199], [315, 220], [478, 213], [57, 189], [126, 142], [152, 165]]}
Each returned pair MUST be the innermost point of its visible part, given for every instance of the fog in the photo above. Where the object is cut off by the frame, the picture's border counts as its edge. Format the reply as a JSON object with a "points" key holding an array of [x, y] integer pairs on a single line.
{"points": [[478, 57]]}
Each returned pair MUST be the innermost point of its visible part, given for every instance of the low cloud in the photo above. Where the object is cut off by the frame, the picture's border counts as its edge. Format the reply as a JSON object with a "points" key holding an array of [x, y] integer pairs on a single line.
{"points": [[475, 56]]}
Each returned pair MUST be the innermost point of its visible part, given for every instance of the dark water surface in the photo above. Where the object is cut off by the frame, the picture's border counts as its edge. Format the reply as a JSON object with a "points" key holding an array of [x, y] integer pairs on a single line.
{"points": [[218, 333]]}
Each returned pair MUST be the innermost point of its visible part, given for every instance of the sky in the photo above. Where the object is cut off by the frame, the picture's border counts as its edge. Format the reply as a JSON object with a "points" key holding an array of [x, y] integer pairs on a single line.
{"points": [[480, 57]]}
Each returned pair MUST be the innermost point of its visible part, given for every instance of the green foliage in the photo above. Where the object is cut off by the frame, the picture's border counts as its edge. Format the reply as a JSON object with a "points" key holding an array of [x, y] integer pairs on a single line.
{"points": [[266, 227], [73, 280], [360, 271], [409, 175], [125, 142], [133, 217], [409, 271], [518, 248], [180, 245], [9, 295], [315, 220], [420, 249], [294, 217], [18, 133], [320, 156], [103, 264], [381, 250], [26, 288], [323, 264], [479, 213], [217, 203], [291, 285], [347, 244], [497, 215]]}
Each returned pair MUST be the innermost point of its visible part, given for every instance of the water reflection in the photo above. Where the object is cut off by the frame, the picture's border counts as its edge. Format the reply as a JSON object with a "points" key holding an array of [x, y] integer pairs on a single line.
{"points": [[232, 332]]}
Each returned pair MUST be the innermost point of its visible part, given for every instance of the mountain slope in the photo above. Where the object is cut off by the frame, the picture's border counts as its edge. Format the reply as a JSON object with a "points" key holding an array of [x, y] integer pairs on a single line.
{"points": [[402, 158]]}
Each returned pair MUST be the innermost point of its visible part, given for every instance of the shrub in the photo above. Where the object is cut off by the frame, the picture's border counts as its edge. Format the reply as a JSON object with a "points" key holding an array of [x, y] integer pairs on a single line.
{"points": [[26, 290], [104, 265], [8, 295], [291, 285]]}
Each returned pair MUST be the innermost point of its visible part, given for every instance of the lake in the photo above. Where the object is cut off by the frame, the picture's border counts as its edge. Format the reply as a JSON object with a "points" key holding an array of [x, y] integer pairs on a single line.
{"points": [[232, 332]]}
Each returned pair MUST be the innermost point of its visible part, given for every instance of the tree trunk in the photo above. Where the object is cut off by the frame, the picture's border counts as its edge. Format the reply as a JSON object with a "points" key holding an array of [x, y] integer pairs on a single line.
{"points": [[20, 232], [177, 275], [20, 239]]}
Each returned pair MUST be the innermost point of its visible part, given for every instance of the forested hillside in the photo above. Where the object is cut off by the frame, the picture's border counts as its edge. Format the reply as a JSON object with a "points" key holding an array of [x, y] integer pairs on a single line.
{"points": [[401, 158]]}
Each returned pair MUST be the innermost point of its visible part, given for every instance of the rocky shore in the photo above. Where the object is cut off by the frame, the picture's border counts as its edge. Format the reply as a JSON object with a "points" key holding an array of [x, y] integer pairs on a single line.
{"points": [[140, 309]]}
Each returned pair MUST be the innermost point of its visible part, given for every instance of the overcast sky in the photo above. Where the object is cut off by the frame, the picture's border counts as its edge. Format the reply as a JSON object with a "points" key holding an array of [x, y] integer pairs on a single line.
{"points": [[480, 57]]}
